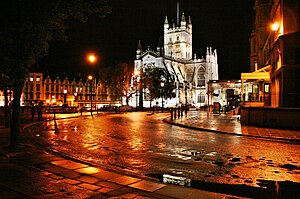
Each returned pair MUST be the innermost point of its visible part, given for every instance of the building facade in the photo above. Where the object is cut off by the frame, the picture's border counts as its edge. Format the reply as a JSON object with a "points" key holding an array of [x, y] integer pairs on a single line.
{"points": [[275, 51], [190, 73], [57, 91]]}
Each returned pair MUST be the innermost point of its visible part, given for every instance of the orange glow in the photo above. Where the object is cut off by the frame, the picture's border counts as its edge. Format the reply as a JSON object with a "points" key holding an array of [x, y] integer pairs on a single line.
{"points": [[275, 26], [90, 77], [136, 72], [91, 58]]}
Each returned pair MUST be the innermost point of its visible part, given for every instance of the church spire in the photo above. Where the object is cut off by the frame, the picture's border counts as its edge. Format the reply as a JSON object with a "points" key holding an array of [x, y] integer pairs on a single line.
{"points": [[139, 50], [183, 22], [166, 21], [189, 24], [190, 21], [166, 25], [160, 48], [177, 14]]}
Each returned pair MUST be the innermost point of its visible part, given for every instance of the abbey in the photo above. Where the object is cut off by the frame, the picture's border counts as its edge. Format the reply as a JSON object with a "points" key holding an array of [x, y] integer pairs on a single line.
{"points": [[190, 73]]}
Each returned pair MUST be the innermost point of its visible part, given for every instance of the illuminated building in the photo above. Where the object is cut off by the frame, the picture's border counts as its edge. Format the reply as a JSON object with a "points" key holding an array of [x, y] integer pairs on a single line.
{"points": [[275, 65], [190, 73], [76, 92], [275, 52]]}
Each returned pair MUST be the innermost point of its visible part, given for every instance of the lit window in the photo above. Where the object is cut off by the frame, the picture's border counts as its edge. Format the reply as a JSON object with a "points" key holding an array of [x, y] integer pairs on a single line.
{"points": [[267, 88], [38, 79], [31, 79]]}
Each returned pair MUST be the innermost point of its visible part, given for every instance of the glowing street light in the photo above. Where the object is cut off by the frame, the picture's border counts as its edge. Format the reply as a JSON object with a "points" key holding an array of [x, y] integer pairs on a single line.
{"points": [[65, 96], [275, 26], [91, 58]]}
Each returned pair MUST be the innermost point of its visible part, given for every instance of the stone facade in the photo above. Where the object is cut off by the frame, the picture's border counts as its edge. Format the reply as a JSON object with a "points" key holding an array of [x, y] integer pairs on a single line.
{"points": [[190, 73]]}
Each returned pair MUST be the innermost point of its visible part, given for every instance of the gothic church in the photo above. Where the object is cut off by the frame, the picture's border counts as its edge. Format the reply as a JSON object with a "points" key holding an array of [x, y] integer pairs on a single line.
{"points": [[175, 54]]}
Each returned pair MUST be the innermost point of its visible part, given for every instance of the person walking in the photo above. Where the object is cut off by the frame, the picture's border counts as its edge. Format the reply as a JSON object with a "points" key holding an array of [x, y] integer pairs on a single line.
{"points": [[32, 110], [40, 111]]}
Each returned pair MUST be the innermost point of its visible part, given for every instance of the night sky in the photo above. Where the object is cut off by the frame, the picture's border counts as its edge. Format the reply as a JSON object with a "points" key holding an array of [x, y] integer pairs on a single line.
{"points": [[223, 25]]}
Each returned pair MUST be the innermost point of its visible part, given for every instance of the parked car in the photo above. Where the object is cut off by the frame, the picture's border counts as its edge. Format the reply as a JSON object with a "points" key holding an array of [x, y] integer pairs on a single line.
{"points": [[125, 108]]}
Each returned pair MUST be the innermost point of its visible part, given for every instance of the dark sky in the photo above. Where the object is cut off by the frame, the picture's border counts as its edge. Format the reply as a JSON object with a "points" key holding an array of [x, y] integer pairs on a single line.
{"points": [[224, 25]]}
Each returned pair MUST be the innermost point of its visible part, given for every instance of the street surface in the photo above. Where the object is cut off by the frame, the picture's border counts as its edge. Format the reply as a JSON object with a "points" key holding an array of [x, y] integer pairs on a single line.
{"points": [[142, 144]]}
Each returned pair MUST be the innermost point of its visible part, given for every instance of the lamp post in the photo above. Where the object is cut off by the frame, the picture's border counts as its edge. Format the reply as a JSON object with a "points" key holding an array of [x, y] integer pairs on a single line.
{"points": [[65, 100], [136, 74], [90, 77], [65, 96], [162, 84], [75, 98], [185, 93]]}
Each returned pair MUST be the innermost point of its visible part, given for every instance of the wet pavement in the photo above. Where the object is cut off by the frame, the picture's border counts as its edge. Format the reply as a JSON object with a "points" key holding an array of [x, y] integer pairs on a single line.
{"points": [[222, 123], [38, 174]]}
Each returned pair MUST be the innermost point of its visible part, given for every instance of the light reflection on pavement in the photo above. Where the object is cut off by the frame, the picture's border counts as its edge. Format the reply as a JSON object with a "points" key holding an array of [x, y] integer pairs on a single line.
{"points": [[142, 144]]}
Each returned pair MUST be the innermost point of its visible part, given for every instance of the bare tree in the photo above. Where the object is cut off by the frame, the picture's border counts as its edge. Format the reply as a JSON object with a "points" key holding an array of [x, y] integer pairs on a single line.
{"points": [[25, 33]]}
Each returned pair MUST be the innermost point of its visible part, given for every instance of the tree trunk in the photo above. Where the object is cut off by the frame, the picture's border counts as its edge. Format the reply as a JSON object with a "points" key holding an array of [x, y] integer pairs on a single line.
{"points": [[15, 123], [6, 110]]}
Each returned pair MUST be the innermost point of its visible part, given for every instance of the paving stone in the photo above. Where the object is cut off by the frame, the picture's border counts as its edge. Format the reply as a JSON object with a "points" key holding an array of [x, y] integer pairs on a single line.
{"points": [[88, 179], [147, 185], [109, 185], [89, 170], [105, 175], [124, 180], [54, 176], [175, 191], [198, 194], [68, 164], [89, 186], [128, 195], [63, 172], [105, 190], [70, 181]]}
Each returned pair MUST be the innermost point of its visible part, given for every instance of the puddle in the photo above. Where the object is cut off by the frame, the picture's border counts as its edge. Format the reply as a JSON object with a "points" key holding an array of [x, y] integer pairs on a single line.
{"points": [[265, 189]]}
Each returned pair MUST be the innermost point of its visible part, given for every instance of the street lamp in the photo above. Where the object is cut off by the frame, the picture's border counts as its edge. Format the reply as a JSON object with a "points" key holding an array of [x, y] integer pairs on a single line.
{"points": [[91, 58], [65, 96], [75, 98], [90, 77], [162, 84]]}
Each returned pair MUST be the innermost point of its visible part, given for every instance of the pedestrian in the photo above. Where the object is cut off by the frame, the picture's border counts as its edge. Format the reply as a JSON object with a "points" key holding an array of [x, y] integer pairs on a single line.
{"points": [[40, 111], [32, 110]]}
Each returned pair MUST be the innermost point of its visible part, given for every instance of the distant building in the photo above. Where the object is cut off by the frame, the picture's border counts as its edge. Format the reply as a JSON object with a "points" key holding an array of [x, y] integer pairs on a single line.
{"points": [[190, 73], [56, 91]]}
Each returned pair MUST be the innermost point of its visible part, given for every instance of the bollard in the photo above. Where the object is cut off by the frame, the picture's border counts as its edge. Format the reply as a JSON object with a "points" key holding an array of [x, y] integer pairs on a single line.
{"points": [[174, 113], [171, 114], [185, 110], [179, 112]]}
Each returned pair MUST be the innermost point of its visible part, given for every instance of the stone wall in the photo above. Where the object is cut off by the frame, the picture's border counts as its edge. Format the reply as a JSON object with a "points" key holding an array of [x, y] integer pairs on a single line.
{"points": [[283, 118]]}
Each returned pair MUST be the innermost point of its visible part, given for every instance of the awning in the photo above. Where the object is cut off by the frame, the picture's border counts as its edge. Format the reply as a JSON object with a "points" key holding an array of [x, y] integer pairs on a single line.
{"points": [[260, 74]]}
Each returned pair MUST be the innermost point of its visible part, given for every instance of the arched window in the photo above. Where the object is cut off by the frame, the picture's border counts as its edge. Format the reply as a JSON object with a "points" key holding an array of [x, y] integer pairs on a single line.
{"points": [[201, 98], [201, 79], [189, 75]]}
